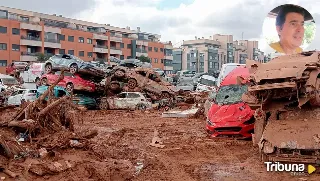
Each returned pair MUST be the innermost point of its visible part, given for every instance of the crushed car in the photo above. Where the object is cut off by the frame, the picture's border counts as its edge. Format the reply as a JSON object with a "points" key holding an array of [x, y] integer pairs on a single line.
{"points": [[125, 100], [229, 116]]}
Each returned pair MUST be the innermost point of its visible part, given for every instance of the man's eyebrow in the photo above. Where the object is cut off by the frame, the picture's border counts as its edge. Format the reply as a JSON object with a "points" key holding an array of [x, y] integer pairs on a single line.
{"points": [[295, 21]]}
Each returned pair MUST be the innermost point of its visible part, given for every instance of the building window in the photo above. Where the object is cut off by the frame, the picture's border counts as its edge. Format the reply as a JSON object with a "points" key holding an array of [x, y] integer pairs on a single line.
{"points": [[3, 63], [15, 31], [62, 51], [81, 53], [3, 14], [71, 38], [128, 57], [155, 60], [71, 52], [89, 41], [129, 46], [3, 29], [121, 57], [121, 45], [3, 46], [216, 65], [81, 40], [155, 49], [161, 49], [161, 60], [15, 47], [150, 49], [62, 37], [89, 54]]}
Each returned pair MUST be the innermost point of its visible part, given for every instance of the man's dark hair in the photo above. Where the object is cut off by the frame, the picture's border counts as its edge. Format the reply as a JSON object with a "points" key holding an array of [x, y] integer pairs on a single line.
{"points": [[285, 9]]}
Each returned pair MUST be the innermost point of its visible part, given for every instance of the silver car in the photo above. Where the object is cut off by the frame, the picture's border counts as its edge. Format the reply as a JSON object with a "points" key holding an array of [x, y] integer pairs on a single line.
{"points": [[71, 63]]}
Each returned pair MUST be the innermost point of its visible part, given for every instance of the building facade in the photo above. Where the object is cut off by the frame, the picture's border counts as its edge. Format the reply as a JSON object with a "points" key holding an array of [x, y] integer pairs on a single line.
{"points": [[24, 34], [208, 55]]}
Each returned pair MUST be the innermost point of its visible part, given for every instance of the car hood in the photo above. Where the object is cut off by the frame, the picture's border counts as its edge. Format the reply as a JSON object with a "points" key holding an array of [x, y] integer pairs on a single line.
{"points": [[238, 112], [84, 100]]}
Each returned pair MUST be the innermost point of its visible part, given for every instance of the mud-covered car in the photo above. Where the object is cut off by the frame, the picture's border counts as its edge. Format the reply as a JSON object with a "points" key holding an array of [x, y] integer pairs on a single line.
{"points": [[143, 78], [125, 100], [79, 99], [70, 81], [73, 64]]}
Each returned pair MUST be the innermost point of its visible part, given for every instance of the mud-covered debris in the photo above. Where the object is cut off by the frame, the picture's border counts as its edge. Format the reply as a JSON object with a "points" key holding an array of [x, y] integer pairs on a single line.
{"points": [[156, 140], [10, 147], [50, 168]]}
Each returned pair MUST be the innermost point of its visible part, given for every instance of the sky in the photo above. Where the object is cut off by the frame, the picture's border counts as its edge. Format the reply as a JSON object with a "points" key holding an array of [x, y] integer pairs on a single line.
{"points": [[176, 20]]}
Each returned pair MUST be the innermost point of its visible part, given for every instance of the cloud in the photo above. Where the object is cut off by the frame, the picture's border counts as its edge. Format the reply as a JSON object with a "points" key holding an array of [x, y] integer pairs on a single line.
{"points": [[63, 7], [201, 18]]}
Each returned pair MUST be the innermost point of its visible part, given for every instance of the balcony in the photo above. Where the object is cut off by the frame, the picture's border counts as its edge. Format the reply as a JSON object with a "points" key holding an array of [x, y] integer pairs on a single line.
{"points": [[115, 39], [52, 43], [169, 57], [142, 43], [100, 36], [52, 29], [100, 49], [31, 41], [27, 56], [168, 67], [115, 50], [31, 26]]}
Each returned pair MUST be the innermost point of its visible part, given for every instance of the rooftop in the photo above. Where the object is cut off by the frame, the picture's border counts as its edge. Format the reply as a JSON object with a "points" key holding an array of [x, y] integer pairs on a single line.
{"points": [[60, 18]]}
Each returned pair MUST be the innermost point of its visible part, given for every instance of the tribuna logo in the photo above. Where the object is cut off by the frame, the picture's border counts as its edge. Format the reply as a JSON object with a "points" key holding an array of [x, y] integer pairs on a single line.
{"points": [[280, 167]]}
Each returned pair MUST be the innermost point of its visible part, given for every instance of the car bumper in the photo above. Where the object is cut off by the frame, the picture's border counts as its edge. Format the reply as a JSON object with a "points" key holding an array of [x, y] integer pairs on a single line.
{"points": [[230, 129]]}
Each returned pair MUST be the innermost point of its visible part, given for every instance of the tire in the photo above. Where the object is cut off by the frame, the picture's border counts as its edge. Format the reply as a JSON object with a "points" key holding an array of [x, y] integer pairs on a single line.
{"points": [[132, 83], [48, 68], [141, 107], [119, 73], [103, 105], [44, 81], [73, 68], [70, 88], [38, 82]]}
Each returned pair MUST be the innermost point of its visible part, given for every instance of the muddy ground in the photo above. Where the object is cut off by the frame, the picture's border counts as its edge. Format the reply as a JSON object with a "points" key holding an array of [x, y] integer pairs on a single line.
{"points": [[122, 151]]}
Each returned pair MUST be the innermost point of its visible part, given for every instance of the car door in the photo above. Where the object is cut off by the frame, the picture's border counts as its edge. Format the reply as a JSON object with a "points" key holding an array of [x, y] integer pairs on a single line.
{"points": [[132, 100], [56, 61], [120, 101]]}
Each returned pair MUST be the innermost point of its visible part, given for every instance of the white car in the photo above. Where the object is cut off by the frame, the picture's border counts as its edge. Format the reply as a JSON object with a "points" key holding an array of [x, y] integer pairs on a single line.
{"points": [[206, 83], [22, 95], [126, 100]]}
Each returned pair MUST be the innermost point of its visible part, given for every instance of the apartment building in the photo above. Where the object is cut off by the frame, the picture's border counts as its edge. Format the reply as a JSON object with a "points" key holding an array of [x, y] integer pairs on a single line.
{"points": [[208, 55], [23, 34]]}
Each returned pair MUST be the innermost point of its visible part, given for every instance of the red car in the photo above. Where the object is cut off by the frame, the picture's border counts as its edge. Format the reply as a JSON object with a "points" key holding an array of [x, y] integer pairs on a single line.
{"points": [[228, 115], [70, 82]]}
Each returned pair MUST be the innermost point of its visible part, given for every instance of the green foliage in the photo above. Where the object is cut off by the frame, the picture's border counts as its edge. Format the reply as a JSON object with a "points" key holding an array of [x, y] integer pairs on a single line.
{"points": [[42, 57], [143, 58], [309, 32]]}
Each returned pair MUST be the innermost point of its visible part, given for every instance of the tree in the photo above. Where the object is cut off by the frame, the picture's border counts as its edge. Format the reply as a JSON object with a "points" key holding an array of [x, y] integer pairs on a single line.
{"points": [[143, 58], [42, 57], [309, 32]]}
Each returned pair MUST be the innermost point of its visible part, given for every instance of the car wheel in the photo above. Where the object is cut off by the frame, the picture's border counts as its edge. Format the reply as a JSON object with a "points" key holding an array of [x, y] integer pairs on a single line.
{"points": [[38, 82], [44, 81], [69, 88], [103, 105], [73, 68], [141, 107], [119, 73], [48, 68], [132, 83]]}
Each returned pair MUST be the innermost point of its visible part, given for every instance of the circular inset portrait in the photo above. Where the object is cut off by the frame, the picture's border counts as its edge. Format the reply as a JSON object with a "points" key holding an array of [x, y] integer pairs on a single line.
{"points": [[289, 29]]}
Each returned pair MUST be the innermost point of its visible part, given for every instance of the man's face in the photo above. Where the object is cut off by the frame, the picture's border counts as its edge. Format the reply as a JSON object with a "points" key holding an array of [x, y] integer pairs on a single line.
{"points": [[292, 31]]}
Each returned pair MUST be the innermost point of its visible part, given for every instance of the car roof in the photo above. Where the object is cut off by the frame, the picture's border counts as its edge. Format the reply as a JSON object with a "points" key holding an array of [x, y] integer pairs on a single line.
{"points": [[231, 78]]}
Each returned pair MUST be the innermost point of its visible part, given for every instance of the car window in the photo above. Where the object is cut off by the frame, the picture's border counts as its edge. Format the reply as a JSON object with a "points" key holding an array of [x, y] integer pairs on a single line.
{"points": [[122, 95], [32, 91], [67, 74], [133, 95], [61, 93]]}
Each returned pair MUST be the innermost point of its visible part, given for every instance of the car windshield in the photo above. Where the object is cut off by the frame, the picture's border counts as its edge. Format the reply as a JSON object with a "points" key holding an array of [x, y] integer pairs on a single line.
{"points": [[230, 94], [76, 58], [207, 82]]}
